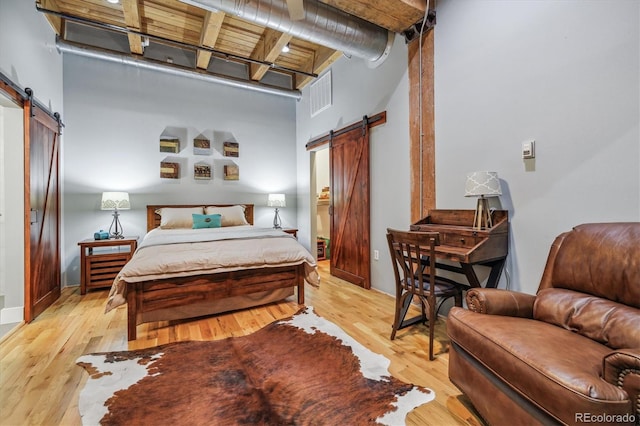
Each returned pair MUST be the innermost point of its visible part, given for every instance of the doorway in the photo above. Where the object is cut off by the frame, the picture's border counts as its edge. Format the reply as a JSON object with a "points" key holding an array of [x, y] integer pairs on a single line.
{"points": [[11, 215], [322, 197], [349, 200], [30, 139]]}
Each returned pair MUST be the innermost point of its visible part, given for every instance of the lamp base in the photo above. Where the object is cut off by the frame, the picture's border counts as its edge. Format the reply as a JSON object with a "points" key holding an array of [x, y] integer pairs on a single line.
{"points": [[482, 217], [117, 233], [277, 223]]}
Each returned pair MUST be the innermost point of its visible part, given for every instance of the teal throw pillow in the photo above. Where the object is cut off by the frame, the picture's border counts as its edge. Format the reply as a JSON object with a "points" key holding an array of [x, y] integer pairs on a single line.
{"points": [[207, 220]]}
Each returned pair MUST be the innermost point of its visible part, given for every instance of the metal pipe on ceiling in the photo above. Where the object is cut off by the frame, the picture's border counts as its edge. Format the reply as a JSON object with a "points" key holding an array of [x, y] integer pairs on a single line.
{"points": [[168, 42], [322, 24], [76, 49]]}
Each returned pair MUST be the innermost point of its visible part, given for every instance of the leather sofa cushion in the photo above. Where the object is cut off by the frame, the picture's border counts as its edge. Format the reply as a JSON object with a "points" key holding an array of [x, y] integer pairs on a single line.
{"points": [[607, 322], [553, 367]]}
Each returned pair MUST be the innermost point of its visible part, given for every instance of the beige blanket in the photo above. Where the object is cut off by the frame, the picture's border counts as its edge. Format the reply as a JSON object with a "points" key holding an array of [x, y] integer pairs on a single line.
{"points": [[188, 252]]}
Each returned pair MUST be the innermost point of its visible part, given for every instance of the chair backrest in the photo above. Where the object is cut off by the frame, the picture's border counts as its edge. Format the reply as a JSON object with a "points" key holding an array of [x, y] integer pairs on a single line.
{"points": [[409, 252], [591, 283], [600, 259]]}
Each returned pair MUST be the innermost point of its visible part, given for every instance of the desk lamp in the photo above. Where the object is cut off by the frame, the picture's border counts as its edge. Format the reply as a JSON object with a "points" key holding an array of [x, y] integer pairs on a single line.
{"points": [[115, 201], [482, 184], [276, 200]]}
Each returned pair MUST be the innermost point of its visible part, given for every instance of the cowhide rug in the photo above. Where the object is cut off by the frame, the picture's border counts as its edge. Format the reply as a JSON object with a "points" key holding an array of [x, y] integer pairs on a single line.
{"points": [[300, 371]]}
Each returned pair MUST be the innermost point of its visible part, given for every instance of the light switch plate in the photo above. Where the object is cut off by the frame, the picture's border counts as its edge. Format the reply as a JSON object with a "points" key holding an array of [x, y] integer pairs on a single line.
{"points": [[528, 149]]}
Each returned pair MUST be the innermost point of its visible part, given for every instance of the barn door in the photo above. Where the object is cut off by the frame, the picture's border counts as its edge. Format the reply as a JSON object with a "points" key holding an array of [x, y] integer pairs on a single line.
{"points": [[42, 244], [350, 219]]}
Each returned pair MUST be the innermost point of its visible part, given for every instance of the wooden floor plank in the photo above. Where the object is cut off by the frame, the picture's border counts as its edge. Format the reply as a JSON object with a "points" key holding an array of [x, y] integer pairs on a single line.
{"points": [[40, 382]]}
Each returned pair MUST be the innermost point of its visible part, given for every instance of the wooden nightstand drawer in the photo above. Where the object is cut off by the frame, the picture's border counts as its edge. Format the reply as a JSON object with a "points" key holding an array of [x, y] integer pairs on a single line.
{"points": [[101, 269], [101, 260]]}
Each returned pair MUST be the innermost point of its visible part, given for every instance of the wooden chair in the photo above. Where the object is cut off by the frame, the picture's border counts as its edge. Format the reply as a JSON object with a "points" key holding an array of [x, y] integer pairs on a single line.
{"points": [[413, 257]]}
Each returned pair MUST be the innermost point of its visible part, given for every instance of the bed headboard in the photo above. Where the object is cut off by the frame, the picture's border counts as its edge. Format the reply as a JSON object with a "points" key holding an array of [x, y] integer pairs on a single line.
{"points": [[153, 219]]}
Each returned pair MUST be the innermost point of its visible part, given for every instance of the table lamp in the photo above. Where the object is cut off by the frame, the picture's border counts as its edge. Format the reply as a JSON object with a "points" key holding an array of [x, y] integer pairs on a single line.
{"points": [[482, 184], [276, 200], [115, 201]]}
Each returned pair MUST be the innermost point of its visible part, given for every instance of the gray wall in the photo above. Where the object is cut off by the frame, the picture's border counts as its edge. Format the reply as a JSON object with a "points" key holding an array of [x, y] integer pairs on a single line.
{"points": [[564, 73], [115, 115], [29, 58], [357, 91]]}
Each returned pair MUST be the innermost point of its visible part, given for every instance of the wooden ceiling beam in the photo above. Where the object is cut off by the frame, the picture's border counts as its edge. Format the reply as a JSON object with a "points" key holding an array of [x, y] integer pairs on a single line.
{"points": [[55, 21], [211, 25], [319, 62], [268, 49], [394, 15], [131, 11]]}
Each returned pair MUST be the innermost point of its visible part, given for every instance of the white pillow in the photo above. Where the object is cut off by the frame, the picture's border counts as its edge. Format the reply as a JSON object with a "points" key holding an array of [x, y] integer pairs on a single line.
{"points": [[231, 216], [177, 217]]}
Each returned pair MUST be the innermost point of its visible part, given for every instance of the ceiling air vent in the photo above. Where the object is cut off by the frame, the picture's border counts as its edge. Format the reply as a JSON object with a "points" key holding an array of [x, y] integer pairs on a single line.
{"points": [[321, 94]]}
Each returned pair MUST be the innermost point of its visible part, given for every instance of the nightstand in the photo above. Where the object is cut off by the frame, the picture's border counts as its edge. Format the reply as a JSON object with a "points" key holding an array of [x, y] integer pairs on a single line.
{"points": [[291, 231], [101, 260]]}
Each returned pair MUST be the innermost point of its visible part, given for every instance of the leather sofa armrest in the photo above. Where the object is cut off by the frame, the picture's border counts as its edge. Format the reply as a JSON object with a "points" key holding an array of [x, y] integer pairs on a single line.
{"points": [[622, 369], [494, 301]]}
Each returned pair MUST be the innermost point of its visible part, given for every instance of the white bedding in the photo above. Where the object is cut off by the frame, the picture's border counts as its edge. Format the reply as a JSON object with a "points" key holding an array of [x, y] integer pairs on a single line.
{"points": [[165, 253]]}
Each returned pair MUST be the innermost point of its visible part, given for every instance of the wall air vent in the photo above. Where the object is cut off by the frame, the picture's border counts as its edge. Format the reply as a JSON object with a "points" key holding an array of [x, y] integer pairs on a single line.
{"points": [[320, 92]]}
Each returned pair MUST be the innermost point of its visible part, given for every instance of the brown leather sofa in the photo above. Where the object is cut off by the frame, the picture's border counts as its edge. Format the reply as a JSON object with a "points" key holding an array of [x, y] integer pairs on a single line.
{"points": [[568, 355]]}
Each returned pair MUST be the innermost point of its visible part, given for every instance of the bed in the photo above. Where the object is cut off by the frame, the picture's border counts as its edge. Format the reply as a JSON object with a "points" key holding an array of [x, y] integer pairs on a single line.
{"points": [[179, 272]]}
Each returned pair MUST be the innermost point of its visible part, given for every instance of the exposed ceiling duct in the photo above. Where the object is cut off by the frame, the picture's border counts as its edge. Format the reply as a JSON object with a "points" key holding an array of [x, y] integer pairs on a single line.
{"points": [[72, 48], [322, 24]]}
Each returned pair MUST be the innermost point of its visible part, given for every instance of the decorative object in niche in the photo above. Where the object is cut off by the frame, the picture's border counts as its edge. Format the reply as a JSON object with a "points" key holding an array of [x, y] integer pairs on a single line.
{"points": [[231, 172], [169, 170], [201, 171], [231, 149], [201, 145], [169, 144], [324, 195]]}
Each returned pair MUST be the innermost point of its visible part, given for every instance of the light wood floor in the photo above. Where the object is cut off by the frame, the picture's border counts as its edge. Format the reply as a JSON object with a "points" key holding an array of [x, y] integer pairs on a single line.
{"points": [[40, 382]]}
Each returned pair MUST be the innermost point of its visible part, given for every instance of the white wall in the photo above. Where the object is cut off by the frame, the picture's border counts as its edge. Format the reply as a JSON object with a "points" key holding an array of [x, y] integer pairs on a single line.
{"points": [[115, 115], [323, 227], [357, 91], [564, 73], [29, 58], [12, 219], [28, 55], [322, 170]]}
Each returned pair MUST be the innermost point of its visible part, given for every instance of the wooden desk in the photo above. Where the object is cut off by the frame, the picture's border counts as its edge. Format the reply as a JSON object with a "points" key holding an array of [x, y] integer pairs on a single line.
{"points": [[466, 246]]}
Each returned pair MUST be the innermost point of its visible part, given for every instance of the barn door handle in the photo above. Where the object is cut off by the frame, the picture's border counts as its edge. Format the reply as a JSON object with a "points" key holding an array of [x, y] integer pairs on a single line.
{"points": [[33, 216], [330, 210]]}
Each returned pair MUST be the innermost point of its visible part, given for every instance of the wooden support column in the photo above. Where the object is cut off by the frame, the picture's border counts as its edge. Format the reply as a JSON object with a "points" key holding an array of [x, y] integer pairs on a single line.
{"points": [[423, 185]]}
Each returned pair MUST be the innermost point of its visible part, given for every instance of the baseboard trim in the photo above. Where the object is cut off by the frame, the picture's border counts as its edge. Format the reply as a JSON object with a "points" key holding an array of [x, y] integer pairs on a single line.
{"points": [[11, 332], [11, 315]]}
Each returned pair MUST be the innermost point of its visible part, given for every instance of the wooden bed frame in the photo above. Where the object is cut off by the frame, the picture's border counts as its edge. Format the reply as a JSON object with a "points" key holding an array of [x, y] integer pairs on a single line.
{"points": [[189, 297]]}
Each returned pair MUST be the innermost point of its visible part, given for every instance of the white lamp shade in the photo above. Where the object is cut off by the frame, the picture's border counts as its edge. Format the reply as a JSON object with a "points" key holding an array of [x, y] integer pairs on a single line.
{"points": [[276, 200], [115, 200], [482, 184]]}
